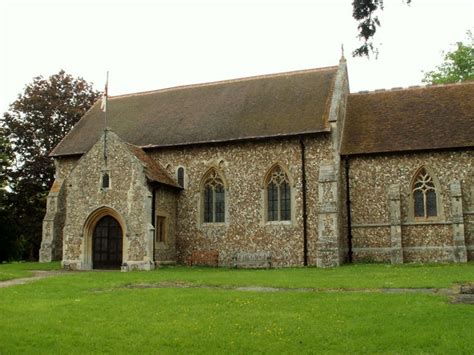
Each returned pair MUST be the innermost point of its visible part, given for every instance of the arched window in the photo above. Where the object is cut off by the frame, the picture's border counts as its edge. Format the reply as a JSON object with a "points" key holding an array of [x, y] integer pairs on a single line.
{"points": [[105, 181], [180, 176], [278, 195], [425, 204], [213, 198]]}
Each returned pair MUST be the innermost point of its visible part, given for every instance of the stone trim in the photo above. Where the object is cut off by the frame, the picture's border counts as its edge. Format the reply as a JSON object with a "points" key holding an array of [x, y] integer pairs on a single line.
{"points": [[459, 240], [396, 255], [88, 231], [387, 250], [327, 251], [427, 223], [439, 201], [282, 167], [185, 175], [370, 225], [50, 243], [403, 224], [101, 177], [202, 182], [264, 186]]}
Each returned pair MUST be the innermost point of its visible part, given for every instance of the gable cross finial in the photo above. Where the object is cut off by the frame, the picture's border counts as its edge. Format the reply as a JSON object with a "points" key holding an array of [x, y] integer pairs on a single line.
{"points": [[343, 59]]}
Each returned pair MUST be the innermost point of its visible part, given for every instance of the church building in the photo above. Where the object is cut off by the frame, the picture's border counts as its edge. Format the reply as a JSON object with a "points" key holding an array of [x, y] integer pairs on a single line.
{"points": [[288, 169]]}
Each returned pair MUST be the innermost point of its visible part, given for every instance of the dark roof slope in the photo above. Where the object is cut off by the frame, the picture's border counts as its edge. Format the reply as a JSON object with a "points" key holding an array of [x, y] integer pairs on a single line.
{"points": [[433, 117], [265, 106], [153, 170]]}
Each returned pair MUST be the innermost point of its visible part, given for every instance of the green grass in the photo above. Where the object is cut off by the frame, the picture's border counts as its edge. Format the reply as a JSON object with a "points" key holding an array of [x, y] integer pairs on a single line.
{"points": [[23, 269], [93, 312]]}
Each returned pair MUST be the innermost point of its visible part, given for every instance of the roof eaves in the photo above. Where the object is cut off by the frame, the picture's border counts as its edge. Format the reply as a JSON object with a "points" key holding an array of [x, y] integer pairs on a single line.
{"points": [[408, 150]]}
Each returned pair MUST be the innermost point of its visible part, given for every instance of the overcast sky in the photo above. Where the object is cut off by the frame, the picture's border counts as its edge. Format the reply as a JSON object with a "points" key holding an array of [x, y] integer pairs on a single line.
{"points": [[148, 45]]}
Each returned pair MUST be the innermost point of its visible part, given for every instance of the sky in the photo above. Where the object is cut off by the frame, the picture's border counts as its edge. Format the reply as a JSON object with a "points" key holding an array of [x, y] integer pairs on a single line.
{"points": [[149, 45]]}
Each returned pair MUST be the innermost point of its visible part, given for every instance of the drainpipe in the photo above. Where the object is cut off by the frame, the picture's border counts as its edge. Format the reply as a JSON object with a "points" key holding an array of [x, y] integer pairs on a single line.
{"points": [[153, 207], [348, 210], [305, 214]]}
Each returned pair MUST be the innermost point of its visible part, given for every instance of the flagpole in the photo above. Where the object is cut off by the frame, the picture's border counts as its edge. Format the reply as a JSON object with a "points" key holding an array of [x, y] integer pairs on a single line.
{"points": [[106, 98], [104, 108]]}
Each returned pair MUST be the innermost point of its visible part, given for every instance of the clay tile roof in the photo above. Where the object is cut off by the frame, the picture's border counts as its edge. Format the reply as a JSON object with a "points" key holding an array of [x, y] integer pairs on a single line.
{"points": [[153, 170], [433, 117], [256, 107]]}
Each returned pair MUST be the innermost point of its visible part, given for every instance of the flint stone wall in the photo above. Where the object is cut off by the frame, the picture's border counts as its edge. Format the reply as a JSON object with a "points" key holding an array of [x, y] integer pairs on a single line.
{"points": [[243, 167], [53, 221], [370, 179], [166, 205], [128, 195]]}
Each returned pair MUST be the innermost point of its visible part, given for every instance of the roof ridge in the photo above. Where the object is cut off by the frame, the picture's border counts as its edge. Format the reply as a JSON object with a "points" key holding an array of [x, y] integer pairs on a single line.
{"points": [[411, 87], [225, 81]]}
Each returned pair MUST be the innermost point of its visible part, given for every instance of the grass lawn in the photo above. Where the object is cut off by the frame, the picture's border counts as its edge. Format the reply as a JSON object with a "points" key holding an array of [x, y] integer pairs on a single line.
{"points": [[101, 312], [22, 269]]}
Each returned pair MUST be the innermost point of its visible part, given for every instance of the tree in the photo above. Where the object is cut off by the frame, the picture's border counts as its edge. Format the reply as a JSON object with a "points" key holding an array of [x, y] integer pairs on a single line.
{"points": [[457, 66], [364, 11], [8, 242], [35, 123], [5, 159]]}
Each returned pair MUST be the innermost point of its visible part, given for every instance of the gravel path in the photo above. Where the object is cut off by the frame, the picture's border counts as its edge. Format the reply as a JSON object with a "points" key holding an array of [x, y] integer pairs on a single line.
{"points": [[458, 294], [37, 275]]}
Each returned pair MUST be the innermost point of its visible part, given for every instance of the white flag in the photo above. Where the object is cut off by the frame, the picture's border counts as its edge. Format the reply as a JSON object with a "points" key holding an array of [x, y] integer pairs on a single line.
{"points": [[103, 104]]}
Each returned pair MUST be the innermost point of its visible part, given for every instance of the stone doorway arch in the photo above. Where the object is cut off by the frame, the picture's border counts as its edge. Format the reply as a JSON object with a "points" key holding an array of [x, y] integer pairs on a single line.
{"points": [[105, 244]]}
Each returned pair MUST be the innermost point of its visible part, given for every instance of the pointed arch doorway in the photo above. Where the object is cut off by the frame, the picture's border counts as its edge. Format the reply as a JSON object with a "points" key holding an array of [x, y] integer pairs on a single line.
{"points": [[107, 244]]}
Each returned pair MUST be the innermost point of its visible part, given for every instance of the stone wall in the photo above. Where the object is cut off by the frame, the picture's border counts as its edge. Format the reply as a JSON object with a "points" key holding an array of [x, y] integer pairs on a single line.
{"points": [[166, 206], [373, 226], [468, 193], [243, 167], [128, 200], [53, 221]]}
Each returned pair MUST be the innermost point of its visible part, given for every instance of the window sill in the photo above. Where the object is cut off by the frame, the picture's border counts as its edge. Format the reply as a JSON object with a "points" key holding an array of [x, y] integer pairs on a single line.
{"points": [[416, 222], [278, 223], [211, 224]]}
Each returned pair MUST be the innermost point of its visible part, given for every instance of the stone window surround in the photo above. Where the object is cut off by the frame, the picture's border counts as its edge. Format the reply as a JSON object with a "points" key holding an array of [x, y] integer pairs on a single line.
{"points": [[411, 201], [201, 222], [185, 176], [108, 172], [264, 193]]}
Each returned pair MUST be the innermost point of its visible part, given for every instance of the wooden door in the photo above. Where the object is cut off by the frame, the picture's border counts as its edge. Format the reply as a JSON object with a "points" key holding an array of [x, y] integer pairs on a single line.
{"points": [[107, 244]]}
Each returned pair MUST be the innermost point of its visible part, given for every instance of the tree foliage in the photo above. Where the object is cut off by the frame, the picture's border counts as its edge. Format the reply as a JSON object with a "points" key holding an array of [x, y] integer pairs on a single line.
{"points": [[35, 123], [457, 65], [40, 118], [5, 158], [364, 11]]}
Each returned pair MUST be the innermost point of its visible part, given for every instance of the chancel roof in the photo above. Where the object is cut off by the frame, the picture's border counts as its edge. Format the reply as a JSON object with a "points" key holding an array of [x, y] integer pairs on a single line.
{"points": [[257, 107], [419, 118]]}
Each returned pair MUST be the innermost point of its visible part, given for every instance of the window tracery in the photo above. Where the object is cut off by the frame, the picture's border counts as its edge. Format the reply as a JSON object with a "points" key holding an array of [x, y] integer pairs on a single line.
{"points": [[213, 198], [425, 204], [278, 195]]}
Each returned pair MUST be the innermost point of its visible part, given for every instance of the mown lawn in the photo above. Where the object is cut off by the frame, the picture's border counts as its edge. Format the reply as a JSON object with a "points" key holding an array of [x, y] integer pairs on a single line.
{"points": [[18, 270], [104, 312]]}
